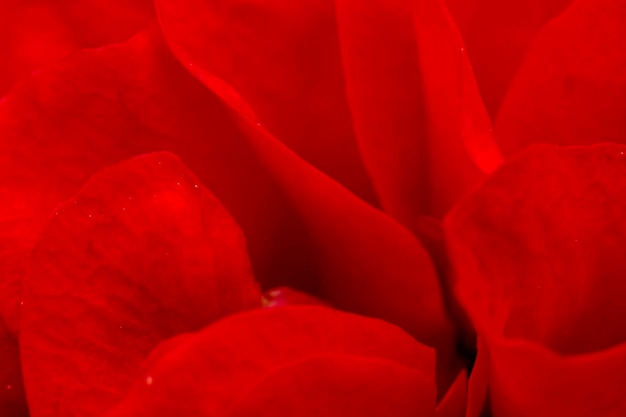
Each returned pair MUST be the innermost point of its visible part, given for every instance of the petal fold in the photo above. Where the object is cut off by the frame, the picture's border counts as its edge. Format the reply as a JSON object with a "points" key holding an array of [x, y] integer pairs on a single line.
{"points": [[142, 253]]}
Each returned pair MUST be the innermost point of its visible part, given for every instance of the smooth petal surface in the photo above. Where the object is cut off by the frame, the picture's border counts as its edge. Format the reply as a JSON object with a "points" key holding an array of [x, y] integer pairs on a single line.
{"points": [[36, 33], [497, 35], [141, 254], [283, 58], [224, 368], [571, 89], [418, 116], [303, 229], [339, 386], [538, 252]]}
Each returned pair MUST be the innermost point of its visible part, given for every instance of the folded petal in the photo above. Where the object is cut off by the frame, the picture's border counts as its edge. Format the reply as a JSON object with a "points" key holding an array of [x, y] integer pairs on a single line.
{"points": [[497, 35], [283, 58], [287, 360], [142, 253], [571, 88], [417, 113], [538, 254], [34, 34], [303, 229]]}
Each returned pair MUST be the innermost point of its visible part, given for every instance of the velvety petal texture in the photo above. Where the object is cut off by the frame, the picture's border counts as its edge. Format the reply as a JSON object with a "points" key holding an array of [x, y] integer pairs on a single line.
{"points": [[283, 58], [571, 89], [142, 253], [538, 252], [294, 360], [423, 132], [36, 33], [497, 35], [303, 229]]}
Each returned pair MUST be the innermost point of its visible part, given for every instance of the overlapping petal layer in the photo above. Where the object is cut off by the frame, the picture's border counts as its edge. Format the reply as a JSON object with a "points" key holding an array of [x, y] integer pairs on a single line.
{"points": [[284, 59], [302, 228], [294, 359], [36, 33], [571, 88], [538, 252], [497, 35], [423, 132], [142, 253]]}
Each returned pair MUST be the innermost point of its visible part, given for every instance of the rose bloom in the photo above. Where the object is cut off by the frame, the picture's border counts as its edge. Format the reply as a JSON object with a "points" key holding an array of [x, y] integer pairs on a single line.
{"points": [[337, 208]]}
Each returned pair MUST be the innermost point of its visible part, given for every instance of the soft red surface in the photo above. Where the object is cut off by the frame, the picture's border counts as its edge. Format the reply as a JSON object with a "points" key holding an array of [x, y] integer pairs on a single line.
{"points": [[538, 252], [142, 253], [571, 88], [497, 35], [258, 359], [36, 33], [420, 123], [302, 228], [284, 59]]}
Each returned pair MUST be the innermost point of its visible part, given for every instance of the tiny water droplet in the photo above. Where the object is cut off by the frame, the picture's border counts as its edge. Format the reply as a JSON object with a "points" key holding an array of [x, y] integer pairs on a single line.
{"points": [[178, 183], [149, 380], [196, 186], [9, 386], [90, 216]]}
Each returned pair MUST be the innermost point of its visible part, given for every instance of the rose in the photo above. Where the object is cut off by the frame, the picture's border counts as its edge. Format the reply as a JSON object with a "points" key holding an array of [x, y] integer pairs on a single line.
{"points": [[446, 124], [102, 106]]}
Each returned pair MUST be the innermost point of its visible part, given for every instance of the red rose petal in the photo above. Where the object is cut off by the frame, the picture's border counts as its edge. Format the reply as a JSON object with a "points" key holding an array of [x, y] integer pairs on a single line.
{"points": [[497, 35], [453, 403], [538, 252], [283, 58], [420, 138], [141, 254], [338, 386], [101, 22], [215, 369], [303, 230], [34, 34], [527, 380], [571, 89]]}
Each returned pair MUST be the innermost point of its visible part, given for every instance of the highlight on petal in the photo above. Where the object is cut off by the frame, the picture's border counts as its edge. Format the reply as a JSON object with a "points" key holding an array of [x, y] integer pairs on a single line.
{"points": [[283, 296], [142, 253], [538, 254], [284, 60], [303, 230], [287, 361], [497, 35], [423, 133], [571, 88]]}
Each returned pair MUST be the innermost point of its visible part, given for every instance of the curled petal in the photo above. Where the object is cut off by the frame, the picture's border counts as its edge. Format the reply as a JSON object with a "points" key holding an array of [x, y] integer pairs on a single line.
{"points": [[286, 359], [142, 253], [571, 88], [538, 254]]}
